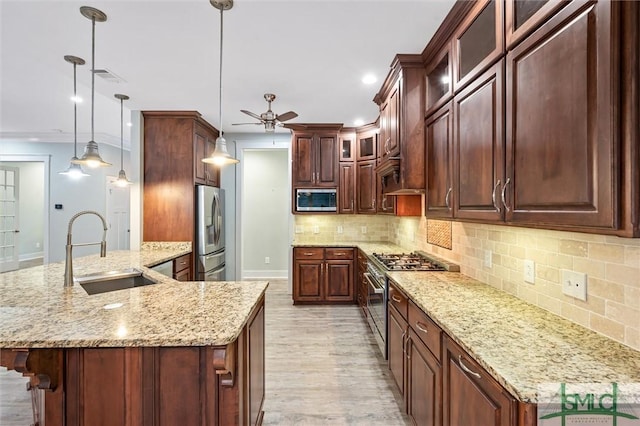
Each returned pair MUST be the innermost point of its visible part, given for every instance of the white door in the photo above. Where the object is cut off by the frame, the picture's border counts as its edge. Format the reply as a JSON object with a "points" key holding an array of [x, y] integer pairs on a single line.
{"points": [[9, 231], [117, 216]]}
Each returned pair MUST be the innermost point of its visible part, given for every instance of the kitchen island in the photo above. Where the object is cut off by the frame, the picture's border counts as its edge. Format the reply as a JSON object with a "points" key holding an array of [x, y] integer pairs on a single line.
{"points": [[167, 353]]}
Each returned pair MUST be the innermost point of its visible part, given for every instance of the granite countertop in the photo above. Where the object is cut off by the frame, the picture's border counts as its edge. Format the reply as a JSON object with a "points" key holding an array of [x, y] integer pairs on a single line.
{"points": [[36, 310], [522, 346]]}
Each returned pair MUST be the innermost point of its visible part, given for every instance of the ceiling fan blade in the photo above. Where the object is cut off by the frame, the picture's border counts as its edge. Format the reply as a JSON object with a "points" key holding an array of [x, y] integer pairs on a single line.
{"points": [[256, 116], [286, 116], [242, 124]]}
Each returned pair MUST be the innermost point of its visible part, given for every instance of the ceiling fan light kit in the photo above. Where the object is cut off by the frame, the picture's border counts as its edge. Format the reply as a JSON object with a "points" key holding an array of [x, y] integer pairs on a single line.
{"points": [[220, 155], [74, 171], [91, 157], [269, 119]]}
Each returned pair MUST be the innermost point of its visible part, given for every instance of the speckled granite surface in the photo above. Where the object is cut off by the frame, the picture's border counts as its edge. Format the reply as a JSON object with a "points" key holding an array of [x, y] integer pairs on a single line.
{"points": [[37, 311], [521, 346]]}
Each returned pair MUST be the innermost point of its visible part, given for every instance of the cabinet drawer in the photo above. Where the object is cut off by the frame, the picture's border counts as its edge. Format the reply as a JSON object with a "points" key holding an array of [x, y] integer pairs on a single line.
{"points": [[309, 253], [338, 253], [426, 329], [181, 263], [398, 300]]}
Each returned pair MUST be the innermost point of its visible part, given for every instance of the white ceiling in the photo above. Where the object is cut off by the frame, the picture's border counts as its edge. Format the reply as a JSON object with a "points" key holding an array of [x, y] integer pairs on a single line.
{"points": [[311, 53]]}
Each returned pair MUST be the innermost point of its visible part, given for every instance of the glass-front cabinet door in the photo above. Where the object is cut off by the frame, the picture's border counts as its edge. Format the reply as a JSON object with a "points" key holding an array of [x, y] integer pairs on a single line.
{"points": [[523, 16], [439, 80], [478, 42]]}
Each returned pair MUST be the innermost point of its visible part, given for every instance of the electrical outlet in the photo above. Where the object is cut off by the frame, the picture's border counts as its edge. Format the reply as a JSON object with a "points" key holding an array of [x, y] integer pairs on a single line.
{"points": [[316, 229], [488, 259], [529, 271], [340, 230], [574, 284], [299, 229], [363, 229], [38, 244], [267, 260]]}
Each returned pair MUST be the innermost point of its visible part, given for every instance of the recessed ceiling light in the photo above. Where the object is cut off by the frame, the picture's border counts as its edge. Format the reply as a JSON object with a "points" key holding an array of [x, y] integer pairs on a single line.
{"points": [[358, 122], [369, 79]]}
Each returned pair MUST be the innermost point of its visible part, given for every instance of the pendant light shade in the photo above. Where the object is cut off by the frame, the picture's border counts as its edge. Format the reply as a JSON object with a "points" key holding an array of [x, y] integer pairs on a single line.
{"points": [[74, 171], [91, 156], [122, 180], [220, 155]]}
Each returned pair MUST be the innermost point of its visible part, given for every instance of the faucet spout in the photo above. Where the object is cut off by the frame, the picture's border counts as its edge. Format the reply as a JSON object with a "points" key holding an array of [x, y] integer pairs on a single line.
{"points": [[68, 261]]}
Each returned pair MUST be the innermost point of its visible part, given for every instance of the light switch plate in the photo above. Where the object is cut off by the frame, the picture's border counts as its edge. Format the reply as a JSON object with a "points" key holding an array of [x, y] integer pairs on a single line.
{"points": [[299, 229], [316, 229], [340, 229], [488, 259], [363, 229], [574, 284]]}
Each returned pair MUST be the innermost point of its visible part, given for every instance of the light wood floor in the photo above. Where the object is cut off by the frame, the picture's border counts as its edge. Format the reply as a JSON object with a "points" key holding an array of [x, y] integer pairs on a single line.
{"points": [[323, 367]]}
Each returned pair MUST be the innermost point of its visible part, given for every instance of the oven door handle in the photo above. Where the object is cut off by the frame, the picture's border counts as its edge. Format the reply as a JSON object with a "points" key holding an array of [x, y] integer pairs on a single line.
{"points": [[373, 284]]}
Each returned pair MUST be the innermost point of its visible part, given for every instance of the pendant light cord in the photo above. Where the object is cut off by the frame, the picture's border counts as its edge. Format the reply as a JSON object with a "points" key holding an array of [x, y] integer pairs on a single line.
{"points": [[93, 68], [220, 105], [121, 136], [75, 114]]}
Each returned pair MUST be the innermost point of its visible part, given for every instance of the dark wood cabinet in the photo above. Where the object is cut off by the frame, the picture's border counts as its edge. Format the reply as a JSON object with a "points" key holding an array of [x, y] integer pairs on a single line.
{"points": [[182, 268], [174, 142], [478, 148], [347, 145], [478, 42], [524, 16], [424, 383], [315, 159], [362, 287], [347, 188], [323, 275], [366, 184], [471, 396], [439, 79], [439, 173], [367, 143], [563, 164], [401, 142], [205, 144], [397, 332]]}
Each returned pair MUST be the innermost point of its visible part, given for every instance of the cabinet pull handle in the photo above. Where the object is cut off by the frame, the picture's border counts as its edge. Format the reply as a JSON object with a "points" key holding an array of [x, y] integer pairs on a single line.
{"points": [[308, 254], [446, 198], [339, 254], [183, 263], [504, 195], [351, 204], [395, 299], [466, 369], [404, 343], [493, 196], [420, 326], [407, 345], [373, 202]]}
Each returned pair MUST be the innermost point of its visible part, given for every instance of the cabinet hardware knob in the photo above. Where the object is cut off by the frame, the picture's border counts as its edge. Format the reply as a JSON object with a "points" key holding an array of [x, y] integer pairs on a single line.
{"points": [[421, 327], [493, 196], [466, 369], [504, 194], [446, 198]]}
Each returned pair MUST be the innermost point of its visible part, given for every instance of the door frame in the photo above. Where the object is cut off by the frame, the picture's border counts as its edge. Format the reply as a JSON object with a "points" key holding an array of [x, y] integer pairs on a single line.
{"points": [[46, 160]]}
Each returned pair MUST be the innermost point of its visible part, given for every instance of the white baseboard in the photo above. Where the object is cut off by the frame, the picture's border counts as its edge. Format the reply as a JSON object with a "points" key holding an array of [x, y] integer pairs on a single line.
{"points": [[30, 256], [265, 274]]}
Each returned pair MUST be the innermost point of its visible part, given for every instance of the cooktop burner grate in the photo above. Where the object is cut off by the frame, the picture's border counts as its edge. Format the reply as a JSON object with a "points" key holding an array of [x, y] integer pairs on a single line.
{"points": [[408, 262]]}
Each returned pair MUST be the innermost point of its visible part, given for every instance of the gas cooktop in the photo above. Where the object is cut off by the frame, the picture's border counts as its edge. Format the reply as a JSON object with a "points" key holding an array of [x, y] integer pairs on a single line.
{"points": [[408, 262]]}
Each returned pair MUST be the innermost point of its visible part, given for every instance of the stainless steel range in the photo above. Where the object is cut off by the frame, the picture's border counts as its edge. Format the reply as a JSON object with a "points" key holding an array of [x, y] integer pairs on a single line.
{"points": [[378, 293]]}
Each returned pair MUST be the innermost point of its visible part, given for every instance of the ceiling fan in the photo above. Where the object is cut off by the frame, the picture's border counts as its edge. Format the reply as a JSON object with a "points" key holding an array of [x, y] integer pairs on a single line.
{"points": [[269, 118]]}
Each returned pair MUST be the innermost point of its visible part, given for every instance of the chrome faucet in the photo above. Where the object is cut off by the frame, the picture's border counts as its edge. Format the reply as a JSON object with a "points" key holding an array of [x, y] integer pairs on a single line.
{"points": [[68, 261]]}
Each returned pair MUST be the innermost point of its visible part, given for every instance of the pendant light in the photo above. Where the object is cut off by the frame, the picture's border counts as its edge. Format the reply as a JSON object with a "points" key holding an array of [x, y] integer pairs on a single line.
{"points": [[220, 155], [75, 170], [91, 155], [122, 180]]}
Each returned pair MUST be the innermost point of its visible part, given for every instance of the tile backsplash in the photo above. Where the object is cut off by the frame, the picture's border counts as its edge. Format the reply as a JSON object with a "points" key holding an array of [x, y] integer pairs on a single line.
{"points": [[495, 255]]}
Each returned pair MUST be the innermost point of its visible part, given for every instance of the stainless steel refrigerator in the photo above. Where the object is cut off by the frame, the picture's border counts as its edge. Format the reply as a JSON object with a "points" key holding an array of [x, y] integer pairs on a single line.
{"points": [[210, 263]]}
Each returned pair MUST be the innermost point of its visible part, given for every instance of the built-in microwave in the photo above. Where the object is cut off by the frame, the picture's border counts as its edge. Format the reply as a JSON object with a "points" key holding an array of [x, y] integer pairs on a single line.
{"points": [[316, 200]]}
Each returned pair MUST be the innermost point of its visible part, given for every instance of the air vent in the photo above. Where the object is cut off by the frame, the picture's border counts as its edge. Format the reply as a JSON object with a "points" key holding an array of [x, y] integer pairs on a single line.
{"points": [[109, 76]]}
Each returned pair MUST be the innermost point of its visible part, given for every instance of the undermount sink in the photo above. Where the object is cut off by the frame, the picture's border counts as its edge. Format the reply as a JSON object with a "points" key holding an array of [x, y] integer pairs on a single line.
{"points": [[103, 282]]}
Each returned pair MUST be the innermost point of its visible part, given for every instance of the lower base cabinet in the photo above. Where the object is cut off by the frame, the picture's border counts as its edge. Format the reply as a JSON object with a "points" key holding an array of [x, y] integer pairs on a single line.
{"points": [[323, 275], [471, 396], [424, 383], [159, 386]]}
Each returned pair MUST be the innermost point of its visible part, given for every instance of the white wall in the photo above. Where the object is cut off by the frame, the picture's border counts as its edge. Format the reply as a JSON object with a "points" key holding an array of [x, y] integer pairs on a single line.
{"points": [[31, 208], [265, 204], [88, 193], [232, 181]]}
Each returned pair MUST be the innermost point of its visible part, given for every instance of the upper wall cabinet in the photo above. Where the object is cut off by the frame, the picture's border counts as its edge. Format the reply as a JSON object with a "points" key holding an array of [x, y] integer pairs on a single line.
{"points": [[347, 144], [563, 146], [524, 16], [439, 80], [478, 42], [315, 158]]}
